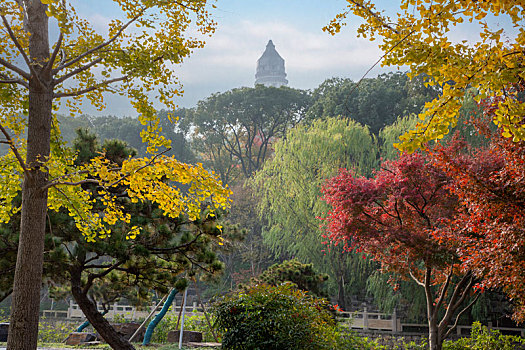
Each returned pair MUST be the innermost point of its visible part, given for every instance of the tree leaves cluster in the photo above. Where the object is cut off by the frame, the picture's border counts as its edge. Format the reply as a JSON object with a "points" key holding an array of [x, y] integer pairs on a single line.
{"points": [[419, 35], [375, 102], [103, 271], [36, 76], [288, 188], [396, 217], [302, 275], [235, 130], [489, 182]]}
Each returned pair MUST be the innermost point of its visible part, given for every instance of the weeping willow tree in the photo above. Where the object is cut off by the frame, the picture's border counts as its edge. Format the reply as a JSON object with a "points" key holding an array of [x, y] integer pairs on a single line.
{"points": [[289, 190]]}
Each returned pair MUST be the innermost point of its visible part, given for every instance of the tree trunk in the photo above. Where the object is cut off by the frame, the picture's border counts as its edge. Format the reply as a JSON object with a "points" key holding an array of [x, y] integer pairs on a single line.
{"points": [[89, 308], [23, 328], [341, 298], [434, 338]]}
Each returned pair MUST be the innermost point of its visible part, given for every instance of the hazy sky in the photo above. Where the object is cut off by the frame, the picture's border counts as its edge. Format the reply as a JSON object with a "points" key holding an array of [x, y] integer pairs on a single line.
{"points": [[243, 29]]}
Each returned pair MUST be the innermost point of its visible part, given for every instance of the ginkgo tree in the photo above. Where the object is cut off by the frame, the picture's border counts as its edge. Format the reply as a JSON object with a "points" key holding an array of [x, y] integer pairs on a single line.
{"points": [[132, 58], [422, 36]]}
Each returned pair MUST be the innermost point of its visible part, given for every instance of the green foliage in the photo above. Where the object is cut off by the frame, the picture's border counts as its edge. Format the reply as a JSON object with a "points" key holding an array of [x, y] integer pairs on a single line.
{"points": [[407, 298], [275, 317], [390, 135], [482, 338], [195, 323], [377, 102], [365, 343], [176, 347], [128, 129], [118, 267], [289, 187], [234, 130], [4, 315], [302, 275], [119, 318], [54, 332]]}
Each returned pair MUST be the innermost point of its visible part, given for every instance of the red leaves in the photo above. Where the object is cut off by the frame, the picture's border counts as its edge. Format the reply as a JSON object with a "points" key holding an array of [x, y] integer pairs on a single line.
{"points": [[449, 207], [393, 216], [490, 183]]}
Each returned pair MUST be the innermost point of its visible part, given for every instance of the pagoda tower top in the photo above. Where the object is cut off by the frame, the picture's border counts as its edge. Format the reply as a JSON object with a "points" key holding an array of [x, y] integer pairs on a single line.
{"points": [[270, 68]]}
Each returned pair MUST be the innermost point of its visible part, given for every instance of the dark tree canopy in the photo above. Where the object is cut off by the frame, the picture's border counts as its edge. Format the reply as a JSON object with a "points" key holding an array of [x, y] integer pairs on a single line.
{"points": [[303, 275], [235, 130], [376, 102]]}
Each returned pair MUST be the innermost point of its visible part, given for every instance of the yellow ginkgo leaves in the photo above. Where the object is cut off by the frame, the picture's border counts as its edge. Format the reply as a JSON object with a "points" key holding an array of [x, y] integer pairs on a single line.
{"points": [[419, 36]]}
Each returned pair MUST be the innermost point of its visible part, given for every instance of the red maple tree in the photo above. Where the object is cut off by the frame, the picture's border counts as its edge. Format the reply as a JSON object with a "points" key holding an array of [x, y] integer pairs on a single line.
{"points": [[395, 217], [490, 183]]}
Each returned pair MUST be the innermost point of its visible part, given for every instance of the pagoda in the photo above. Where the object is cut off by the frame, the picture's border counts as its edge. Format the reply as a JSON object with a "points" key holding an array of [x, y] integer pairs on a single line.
{"points": [[270, 68]]}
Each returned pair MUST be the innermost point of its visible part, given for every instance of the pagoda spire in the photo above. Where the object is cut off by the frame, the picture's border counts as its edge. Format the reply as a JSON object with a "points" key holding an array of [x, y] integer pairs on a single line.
{"points": [[270, 68]]}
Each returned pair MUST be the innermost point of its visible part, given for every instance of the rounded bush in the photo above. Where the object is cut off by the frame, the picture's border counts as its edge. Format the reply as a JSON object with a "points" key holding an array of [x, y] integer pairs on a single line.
{"points": [[275, 317]]}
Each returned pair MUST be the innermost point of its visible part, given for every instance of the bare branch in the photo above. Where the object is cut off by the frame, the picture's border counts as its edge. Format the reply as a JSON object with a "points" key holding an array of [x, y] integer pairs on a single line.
{"points": [[13, 148], [22, 52], [15, 69], [51, 61], [461, 292], [81, 182], [98, 47], [444, 288], [465, 293], [374, 14], [415, 278], [80, 172], [431, 310], [459, 315], [89, 89], [76, 71], [5, 79]]}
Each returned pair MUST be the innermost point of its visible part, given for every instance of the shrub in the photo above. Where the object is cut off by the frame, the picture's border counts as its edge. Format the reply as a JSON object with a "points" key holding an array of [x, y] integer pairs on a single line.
{"points": [[4, 315], [482, 338], [54, 332], [275, 317], [303, 275], [191, 323]]}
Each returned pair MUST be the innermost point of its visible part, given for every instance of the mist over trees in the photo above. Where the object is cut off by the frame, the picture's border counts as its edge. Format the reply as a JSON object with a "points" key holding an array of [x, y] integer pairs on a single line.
{"points": [[289, 141], [275, 148]]}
